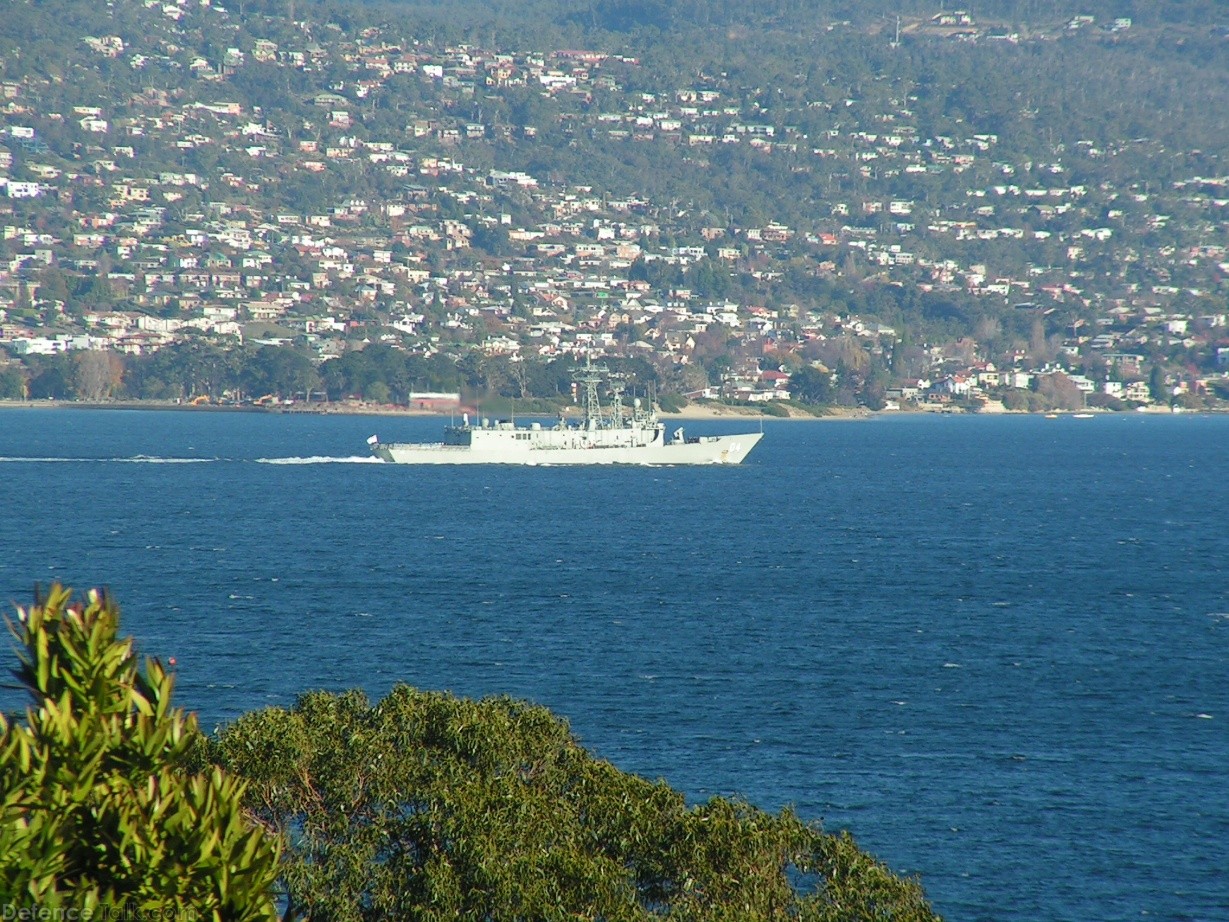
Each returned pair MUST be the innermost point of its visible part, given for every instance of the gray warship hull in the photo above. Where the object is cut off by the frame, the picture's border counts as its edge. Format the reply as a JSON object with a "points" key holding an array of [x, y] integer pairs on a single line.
{"points": [[486, 446]]}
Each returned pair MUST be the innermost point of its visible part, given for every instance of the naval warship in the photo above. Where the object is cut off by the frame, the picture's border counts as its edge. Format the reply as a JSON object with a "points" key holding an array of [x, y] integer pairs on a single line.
{"points": [[617, 434]]}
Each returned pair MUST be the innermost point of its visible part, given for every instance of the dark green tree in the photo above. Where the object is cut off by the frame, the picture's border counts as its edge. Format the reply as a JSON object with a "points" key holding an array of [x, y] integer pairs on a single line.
{"points": [[433, 807], [52, 377], [278, 370], [1156, 384], [53, 285], [12, 383], [810, 384]]}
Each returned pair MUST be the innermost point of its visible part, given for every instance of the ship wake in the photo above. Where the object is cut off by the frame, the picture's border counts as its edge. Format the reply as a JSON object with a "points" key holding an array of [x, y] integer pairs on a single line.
{"points": [[323, 459]]}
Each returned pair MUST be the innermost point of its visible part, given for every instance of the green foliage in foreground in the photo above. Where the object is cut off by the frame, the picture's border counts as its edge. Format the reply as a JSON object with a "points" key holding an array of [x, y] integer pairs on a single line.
{"points": [[426, 806], [96, 809]]}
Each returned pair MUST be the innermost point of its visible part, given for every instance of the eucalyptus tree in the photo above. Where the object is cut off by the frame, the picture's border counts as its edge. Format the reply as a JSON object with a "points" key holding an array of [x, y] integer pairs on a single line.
{"points": [[810, 384], [429, 806], [278, 370], [12, 383]]}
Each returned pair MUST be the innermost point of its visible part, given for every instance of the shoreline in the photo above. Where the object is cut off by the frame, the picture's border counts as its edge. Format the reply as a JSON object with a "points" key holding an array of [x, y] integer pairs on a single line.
{"points": [[362, 409], [694, 412]]}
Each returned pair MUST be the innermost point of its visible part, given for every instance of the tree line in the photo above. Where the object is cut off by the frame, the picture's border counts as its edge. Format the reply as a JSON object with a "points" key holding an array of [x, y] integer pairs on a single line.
{"points": [[379, 373]]}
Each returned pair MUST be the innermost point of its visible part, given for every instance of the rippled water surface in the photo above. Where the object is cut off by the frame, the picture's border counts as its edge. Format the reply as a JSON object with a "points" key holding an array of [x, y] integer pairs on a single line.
{"points": [[994, 648]]}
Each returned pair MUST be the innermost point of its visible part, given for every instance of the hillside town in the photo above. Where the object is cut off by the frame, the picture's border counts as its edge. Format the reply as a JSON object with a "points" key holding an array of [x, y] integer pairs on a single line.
{"points": [[387, 208]]}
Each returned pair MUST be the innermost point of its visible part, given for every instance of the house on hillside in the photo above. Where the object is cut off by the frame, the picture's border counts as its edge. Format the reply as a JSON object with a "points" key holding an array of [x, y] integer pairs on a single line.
{"points": [[950, 18]]}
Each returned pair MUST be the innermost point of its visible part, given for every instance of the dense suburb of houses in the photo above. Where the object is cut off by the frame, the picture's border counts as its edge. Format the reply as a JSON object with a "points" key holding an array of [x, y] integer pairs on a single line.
{"points": [[564, 283]]}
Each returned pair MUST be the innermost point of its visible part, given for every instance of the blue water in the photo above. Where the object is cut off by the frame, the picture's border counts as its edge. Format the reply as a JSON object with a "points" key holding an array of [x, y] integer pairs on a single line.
{"points": [[993, 648]]}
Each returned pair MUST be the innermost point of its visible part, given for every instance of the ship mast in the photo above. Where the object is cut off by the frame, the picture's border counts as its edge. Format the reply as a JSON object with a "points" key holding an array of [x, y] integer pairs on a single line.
{"points": [[617, 386], [591, 376]]}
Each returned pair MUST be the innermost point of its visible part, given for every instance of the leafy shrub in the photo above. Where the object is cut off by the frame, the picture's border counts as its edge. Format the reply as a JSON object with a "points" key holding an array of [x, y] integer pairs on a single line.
{"points": [[96, 808]]}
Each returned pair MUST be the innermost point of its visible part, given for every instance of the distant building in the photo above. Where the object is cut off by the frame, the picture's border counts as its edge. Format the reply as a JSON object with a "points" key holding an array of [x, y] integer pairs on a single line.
{"points": [[435, 402]]}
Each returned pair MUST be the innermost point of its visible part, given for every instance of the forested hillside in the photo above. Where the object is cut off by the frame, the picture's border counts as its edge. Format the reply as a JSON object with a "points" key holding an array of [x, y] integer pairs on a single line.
{"points": [[698, 184]]}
